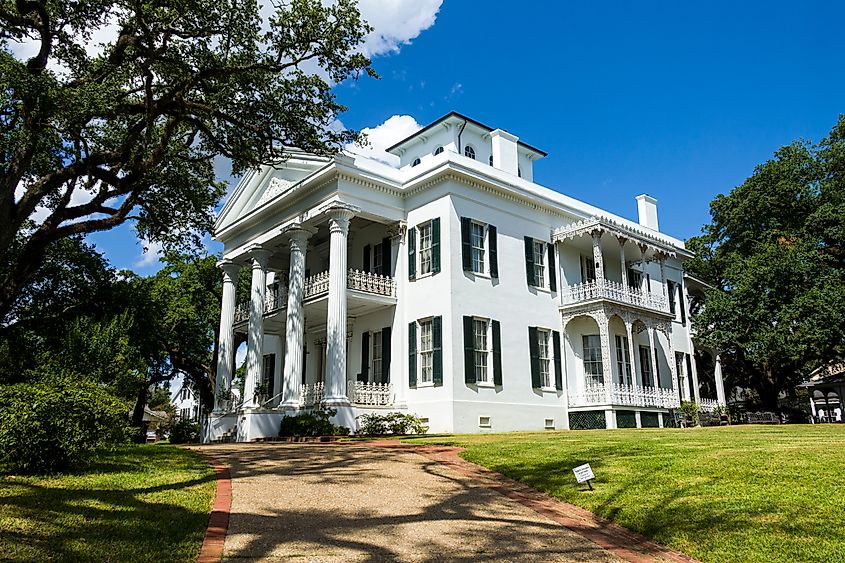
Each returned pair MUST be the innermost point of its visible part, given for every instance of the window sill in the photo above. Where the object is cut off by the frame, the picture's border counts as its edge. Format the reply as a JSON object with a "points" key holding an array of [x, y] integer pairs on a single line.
{"points": [[542, 288], [425, 384], [548, 389], [484, 384], [422, 276]]}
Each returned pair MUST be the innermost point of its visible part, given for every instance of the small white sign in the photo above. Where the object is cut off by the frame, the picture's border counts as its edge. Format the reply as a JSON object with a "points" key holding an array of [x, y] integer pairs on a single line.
{"points": [[583, 473]]}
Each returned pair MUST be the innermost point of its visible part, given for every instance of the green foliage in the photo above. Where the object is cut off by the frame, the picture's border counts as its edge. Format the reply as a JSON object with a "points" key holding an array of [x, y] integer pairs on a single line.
{"points": [[690, 410], [184, 431], [131, 132], [137, 503], [732, 493], [396, 423], [53, 425], [774, 254], [315, 423]]}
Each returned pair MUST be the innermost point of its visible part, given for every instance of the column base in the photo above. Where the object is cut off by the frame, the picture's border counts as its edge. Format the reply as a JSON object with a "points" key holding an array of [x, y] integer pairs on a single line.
{"points": [[289, 405], [337, 402]]}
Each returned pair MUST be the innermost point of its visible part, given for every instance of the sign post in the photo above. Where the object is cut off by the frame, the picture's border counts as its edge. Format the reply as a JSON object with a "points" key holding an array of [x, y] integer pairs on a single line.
{"points": [[584, 473]]}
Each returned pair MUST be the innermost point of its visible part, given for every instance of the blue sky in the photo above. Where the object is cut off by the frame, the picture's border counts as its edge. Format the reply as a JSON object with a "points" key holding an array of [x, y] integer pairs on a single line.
{"points": [[677, 100]]}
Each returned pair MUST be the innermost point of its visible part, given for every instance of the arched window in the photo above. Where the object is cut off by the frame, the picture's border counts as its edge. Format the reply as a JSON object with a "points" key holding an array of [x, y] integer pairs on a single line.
{"points": [[470, 152], [438, 150], [416, 161], [491, 160]]}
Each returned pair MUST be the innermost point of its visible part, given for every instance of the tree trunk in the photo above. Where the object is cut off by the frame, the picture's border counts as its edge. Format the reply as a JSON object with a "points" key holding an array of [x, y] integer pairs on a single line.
{"points": [[138, 413]]}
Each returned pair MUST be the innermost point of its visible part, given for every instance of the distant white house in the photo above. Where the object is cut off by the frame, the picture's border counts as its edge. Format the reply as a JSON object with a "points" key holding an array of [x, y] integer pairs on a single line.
{"points": [[186, 403], [450, 286]]}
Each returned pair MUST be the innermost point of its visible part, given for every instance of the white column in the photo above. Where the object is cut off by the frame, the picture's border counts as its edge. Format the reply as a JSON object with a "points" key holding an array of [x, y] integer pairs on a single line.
{"points": [[295, 320], [255, 340], [226, 336], [597, 256], [622, 242], [606, 366], [399, 334], [629, 327], [673, 365], [336, 322], [720, 383], [652, 344], [662, 262]]}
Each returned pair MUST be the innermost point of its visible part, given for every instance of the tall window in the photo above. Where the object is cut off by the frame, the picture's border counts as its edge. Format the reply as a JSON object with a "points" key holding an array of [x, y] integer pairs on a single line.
{"points": [[377, 259], [477, 241], [588, 268], [593, 373], [469, 152], [479, 329], [426, 352], [425, 248], [670, 287], [540, 263], [645, 365], [490, 160], [545, 356], [377, 356], [635, 279], [416, 161], [623, 359]]}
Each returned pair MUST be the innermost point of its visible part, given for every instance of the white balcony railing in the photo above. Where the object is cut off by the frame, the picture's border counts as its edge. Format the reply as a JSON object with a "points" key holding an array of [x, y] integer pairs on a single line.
{"points": [[375, 394], [275, 299], [708, 405], [317, 286], [614, 291], [311, 394], [625, 395]]}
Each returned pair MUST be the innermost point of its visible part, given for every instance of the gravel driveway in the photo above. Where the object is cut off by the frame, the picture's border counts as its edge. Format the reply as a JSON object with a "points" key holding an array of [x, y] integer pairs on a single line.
{"points": [[342, 502]]}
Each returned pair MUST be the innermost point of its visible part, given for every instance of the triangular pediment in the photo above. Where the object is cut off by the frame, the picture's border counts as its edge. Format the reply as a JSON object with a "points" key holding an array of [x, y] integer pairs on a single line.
{"points": [[266, 184]]}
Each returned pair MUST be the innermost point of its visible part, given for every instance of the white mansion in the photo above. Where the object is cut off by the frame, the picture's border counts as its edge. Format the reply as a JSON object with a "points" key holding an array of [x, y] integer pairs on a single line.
{"points": [[452, 287]]}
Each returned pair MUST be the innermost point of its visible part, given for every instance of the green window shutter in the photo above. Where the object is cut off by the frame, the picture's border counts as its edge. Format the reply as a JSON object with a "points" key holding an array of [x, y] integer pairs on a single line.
{"points": [[529, 260], [466, 243], [682, 305], [385, 354], [493, 243], [304, 364], [552, 267], [412, 354], [412, 253], [365, 357], [437, 352], [385, 257], [469, 351], [534, 351], [367, 252], [435, 245], [557, 360], [497, 353]]}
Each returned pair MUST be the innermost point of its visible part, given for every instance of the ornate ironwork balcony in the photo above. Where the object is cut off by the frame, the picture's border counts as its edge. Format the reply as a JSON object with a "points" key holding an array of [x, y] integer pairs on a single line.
{"points": [[311, 394], [625, 395], [366, 282], [370, 394], [614, 291]]}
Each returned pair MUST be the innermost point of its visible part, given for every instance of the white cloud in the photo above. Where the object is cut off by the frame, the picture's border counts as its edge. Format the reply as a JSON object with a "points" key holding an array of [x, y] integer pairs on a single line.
{"points": [[395, 129], [396, 22], [150, 254]]}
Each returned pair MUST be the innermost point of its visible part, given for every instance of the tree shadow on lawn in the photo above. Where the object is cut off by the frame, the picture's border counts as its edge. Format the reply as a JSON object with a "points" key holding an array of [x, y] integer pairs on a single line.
{"points": [[87, 523], [682, 515]]}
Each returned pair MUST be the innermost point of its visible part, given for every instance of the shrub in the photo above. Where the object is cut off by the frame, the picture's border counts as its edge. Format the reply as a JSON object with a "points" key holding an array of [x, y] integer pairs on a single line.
{"points": [[395, 423], [184, 431], [690, 411], [315, 423], [50, 426]]}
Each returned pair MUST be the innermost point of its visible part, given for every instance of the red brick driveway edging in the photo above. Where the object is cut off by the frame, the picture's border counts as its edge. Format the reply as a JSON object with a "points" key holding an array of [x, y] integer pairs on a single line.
{"points": [[621, 542], [218, 522]]}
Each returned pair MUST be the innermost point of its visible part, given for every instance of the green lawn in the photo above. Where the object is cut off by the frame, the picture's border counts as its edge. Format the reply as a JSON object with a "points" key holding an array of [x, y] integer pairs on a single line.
{"points": [[141, 503], [741, 493]]}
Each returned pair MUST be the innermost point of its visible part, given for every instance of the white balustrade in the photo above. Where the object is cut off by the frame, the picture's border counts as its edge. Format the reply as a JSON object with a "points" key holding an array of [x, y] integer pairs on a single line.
{"points": [[371, 283], [311, 394], [372, 394], [625, 395], [614, 291], [708, 405]]}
